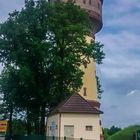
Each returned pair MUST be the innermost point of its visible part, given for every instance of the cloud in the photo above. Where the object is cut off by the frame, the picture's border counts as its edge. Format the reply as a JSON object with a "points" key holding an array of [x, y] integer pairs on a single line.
{"points": [[122, 54], [133, 92], [130, 20], [120, 72], [122, 14], [122, 112]]}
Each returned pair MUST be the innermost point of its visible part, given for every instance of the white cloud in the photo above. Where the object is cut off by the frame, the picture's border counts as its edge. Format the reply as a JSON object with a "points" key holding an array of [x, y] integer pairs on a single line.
{"points": [[133, 92], [122, 13], [120, 71], [122, 54], [131, 20], [122, 112]]}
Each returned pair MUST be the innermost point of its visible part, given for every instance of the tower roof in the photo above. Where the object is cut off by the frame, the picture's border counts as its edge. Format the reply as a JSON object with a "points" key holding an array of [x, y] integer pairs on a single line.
{"points": [[75, 104]]}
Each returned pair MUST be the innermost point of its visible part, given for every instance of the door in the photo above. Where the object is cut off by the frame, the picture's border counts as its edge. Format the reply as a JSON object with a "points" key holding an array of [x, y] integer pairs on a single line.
{"points": [[69, 131]]}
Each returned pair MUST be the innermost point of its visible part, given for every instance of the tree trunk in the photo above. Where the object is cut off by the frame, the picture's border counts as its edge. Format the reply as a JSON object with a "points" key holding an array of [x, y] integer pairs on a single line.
{"points": [[42, 121], [28, 123], [37, 125], [10, 122]]}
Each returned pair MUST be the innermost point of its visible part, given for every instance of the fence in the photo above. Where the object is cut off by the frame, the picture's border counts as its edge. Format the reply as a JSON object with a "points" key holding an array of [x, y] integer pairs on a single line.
{"points": [[38, 137]]}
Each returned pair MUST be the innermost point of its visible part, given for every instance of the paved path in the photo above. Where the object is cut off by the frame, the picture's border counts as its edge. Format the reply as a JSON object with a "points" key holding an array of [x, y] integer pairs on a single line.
{"points": [[2, 138]]}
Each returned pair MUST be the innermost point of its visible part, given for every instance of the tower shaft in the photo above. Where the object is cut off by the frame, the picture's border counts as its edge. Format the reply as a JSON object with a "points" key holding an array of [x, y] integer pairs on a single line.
{"points": [[94, 8]]}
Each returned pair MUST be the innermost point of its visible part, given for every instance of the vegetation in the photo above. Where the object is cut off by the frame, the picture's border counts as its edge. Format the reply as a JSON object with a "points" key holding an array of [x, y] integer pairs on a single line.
{"points": [[110, 131], [42, 48], [125, 134], [99, 87]]}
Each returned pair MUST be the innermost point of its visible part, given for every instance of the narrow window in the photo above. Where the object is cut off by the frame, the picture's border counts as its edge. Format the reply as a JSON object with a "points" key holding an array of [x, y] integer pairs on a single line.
{"points": [[100, 122], [89, 128], [89, 2], [98, 5], [85, 91], [84, 1]]}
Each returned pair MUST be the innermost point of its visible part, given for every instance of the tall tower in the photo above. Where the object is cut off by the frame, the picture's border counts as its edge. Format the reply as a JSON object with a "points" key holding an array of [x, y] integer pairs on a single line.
{"points": [[89, 88], [94, 8]]}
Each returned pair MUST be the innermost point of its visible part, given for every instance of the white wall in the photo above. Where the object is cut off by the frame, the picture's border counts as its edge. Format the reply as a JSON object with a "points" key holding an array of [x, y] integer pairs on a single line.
{"points": [[80, 121], [55, 119]]}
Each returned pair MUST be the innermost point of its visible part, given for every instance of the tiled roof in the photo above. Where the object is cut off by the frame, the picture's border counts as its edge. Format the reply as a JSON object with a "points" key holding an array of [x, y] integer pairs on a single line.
{"points": [[75, 104], [94, 103]]}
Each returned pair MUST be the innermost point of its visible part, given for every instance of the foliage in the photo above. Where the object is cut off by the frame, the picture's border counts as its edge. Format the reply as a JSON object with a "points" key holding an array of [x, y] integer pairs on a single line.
{"points": [[99, 90], [110, 131], [42, 48], [19, 127], [125, 134]]}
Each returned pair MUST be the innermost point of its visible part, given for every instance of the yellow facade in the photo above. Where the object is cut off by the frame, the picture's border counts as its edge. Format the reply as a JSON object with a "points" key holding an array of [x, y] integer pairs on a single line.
{"points": [[56, 123], [94, 8], [89, 79]]}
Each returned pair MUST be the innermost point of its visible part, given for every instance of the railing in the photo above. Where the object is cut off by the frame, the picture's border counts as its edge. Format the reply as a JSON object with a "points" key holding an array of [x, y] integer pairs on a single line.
{"points": [[39, 137]]}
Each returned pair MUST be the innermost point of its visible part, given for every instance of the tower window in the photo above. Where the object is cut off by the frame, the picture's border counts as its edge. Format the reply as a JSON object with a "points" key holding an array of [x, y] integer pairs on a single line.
{"points": [[98, 5], [89, 2], [84, 1], [85, 91]]}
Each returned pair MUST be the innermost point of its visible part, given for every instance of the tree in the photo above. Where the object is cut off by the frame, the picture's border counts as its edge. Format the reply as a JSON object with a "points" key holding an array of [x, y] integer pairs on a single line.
{"points": [[44, 44], [99, 90], [113, 130], [108, 132]]}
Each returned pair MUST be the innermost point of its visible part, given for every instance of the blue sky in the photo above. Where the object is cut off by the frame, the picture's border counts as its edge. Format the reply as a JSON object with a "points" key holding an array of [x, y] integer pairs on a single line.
{"points": [[120, 72]]}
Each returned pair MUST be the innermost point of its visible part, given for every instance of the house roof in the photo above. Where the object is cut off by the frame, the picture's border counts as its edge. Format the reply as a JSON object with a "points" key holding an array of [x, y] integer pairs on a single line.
{"points": [[94, 103], [75, 104]]}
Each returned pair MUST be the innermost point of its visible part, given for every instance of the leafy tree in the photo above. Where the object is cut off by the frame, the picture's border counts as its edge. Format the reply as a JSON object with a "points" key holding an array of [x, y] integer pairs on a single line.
{"points": [[105, 132], [42, 48], [99, 90], [113, 130], [108, 132], [125, 134], [19, 127]]}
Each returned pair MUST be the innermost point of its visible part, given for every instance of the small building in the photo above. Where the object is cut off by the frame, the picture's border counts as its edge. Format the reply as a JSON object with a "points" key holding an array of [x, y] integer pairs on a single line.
{"points": [[75, 117]]}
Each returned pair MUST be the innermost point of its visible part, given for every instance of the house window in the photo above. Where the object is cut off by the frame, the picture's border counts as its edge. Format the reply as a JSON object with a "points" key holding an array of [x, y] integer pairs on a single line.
{"points": [[85, 91], [89, 128], [84, 1]]}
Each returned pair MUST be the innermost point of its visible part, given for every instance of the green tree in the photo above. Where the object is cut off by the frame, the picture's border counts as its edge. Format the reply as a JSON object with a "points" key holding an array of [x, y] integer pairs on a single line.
{"points": [[113, 130], [108, 132], [105, 132], [99, 90], [44, 45]]}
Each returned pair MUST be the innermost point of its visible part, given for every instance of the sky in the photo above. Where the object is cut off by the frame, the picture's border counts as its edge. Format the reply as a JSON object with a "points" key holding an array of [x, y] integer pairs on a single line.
{"points": [[120, 72]]}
